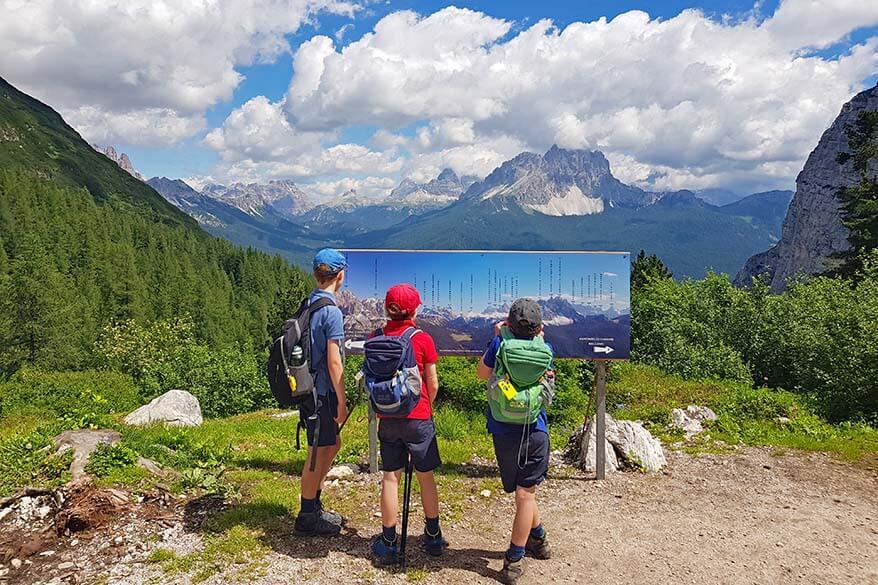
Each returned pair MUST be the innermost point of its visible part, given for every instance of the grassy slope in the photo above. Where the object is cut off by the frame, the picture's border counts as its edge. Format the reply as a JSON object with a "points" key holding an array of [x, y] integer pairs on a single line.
{"points": [[255, 460], [35, 139]]}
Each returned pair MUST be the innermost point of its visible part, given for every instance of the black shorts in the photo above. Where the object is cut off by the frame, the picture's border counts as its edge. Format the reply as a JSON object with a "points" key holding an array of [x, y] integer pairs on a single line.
{"points": [[327, 410], [531, 455], [400, 436]]}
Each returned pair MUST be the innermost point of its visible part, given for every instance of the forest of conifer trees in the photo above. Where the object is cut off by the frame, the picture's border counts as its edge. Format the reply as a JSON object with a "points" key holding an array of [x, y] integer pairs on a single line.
{"points": [[70, 267]]}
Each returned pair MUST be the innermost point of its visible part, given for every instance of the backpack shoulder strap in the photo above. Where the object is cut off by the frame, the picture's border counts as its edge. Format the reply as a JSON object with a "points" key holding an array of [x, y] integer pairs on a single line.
{"points": [[319, 304], [409, 333]]}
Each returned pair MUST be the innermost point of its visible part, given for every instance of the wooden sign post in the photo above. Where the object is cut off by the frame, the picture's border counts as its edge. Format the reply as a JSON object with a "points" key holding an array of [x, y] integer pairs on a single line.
{"points": [[601, 419]]}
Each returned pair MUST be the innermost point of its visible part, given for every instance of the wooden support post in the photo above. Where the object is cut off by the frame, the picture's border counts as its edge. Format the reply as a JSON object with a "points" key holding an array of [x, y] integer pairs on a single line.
{"points": [[600, 416], [373, 441]]}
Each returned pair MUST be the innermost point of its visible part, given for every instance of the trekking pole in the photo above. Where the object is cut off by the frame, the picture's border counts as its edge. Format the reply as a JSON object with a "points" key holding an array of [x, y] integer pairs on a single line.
{"points": [[406, 497]]}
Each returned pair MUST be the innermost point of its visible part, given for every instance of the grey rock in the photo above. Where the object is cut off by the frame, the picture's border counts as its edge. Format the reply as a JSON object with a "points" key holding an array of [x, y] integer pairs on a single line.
{"points": [[67, 565], [690, 419], [812, 230], [150, 465], [635, 445], [680, 419], [701, 413], [84, 442], [173, 408], [586, 447], [16, 563], [346, 471]]}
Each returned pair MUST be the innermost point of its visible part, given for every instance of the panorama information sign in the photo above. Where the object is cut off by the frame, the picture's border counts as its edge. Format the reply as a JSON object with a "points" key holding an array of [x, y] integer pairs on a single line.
{"points": [[584, 296]]}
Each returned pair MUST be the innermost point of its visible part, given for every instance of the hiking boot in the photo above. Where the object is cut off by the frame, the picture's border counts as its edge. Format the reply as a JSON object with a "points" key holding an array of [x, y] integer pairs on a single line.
{"points": [[330, 517], [434, 545], [511, 571], [385, 554], [538, 548], [314, 524]]}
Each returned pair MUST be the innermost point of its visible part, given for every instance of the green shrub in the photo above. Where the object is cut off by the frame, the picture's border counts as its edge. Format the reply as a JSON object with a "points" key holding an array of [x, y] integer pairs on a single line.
{"points": [[109, 458], [80, 397], [226, 382], [819, 339], [459, 385], [31, 459]]}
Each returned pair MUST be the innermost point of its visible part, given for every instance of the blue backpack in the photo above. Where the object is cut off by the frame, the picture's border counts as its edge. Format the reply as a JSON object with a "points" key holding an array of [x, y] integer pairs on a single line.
{"points": [[390, 373]]}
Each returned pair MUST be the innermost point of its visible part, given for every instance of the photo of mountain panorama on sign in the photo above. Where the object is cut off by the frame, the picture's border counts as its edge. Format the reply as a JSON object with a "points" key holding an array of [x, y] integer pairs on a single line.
{"points": [[345, 291]]}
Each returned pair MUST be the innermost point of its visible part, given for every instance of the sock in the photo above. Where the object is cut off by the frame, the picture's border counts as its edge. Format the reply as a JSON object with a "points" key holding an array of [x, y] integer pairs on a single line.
{"points": [[539, 532], [319, 502], [308, 506], [389, 534], [432, 526], [514, 553]]}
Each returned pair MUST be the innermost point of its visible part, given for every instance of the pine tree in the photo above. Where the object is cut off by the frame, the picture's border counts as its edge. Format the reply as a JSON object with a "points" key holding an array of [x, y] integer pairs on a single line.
{"points": [[647, 268], [860, 202]]}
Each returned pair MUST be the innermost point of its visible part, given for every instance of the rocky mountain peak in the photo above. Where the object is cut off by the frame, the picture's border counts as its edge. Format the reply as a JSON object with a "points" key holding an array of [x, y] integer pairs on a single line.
{"points": [[120, 158], [278, 196], [448, 175], [439, 192], [560, 182], [812, 230]]}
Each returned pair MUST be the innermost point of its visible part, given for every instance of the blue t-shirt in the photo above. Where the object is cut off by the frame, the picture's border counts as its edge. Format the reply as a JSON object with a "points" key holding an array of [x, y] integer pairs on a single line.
{"points": [[496, 427], [327, 323]]}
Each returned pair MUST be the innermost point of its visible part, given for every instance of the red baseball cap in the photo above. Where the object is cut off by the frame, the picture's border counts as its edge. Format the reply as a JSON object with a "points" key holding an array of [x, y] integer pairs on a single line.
{"points": [[404, 296]]}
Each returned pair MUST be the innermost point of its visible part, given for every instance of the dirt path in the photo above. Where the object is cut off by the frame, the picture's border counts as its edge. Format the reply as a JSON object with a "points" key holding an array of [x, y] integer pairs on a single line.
{"points": [[749, 517]]}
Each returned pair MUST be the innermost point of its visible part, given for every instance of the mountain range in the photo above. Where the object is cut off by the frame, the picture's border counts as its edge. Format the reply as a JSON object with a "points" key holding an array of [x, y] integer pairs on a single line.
{"points": [[563, 199]]}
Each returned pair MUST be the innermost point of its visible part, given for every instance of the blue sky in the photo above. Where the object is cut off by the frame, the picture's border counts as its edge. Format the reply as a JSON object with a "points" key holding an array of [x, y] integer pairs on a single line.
{"points": [[471, 281], [351, 94]]}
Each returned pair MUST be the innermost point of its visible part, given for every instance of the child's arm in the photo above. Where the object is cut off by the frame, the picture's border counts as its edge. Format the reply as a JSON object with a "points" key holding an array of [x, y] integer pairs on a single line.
{"points": [[336, 376], [432, 381], [482, 371]]}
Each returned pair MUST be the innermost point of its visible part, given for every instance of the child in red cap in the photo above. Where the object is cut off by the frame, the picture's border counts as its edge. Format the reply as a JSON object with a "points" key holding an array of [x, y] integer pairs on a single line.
{"points": [[414, 434]]}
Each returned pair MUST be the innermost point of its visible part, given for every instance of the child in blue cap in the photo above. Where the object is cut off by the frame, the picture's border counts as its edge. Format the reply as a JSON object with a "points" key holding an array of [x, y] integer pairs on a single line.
{"points": [[327, 341]]}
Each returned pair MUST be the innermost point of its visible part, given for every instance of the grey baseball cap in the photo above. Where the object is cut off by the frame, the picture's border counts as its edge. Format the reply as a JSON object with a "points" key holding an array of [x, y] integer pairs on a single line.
{"points": [[525, 316]]}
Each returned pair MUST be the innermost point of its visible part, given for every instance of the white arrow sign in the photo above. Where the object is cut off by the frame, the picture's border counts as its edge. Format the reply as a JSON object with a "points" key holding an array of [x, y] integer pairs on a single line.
{"points": [[350, 344], [603, 349]]}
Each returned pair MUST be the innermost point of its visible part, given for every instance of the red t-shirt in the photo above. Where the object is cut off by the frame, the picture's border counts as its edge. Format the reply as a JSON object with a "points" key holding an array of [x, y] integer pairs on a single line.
{"points": [[425, 353]]}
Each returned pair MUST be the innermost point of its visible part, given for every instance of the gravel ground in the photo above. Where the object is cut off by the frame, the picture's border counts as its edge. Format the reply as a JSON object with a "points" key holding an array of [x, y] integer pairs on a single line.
{"points": [[748, 517]]}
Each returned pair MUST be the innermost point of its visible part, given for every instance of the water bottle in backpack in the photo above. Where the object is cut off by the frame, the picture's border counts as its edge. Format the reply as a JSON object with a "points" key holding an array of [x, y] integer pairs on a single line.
{"points": [[390, 373]]}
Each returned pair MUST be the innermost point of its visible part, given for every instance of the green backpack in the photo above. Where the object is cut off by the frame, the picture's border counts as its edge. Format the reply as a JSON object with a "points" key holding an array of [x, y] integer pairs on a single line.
{"points": [[518, 388]]}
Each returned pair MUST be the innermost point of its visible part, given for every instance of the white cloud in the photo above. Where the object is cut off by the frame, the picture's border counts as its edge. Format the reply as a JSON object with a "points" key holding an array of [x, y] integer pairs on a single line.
{"points": [[687, 101], [259, 131], [814, 23], [370, 188], [256, 141], [142, 71]]}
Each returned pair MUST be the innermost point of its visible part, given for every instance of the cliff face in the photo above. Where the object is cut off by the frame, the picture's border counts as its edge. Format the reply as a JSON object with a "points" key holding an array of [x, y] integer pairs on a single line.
{"points": [[812, 230]]}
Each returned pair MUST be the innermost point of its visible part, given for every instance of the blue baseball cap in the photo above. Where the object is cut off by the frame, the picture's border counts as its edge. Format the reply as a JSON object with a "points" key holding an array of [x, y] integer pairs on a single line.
{"points": [[332, 258]]}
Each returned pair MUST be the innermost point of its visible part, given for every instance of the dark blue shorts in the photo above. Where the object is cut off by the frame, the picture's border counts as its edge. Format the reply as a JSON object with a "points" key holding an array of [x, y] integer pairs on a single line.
{"points": [[522, 463], [400, 436], [327, 410]]}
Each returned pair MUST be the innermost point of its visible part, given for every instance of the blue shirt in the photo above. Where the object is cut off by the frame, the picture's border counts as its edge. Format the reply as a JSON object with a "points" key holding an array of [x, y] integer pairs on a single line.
{"points": [[326, 324], [496, 427]]}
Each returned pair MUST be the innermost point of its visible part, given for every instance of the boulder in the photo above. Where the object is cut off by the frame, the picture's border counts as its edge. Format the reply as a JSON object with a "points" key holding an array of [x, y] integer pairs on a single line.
{"points": [[701, 413], [690, 419], [681, 420], [84, 442], [346, 471], [585, 450], [173, 408], [635, 445]]}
